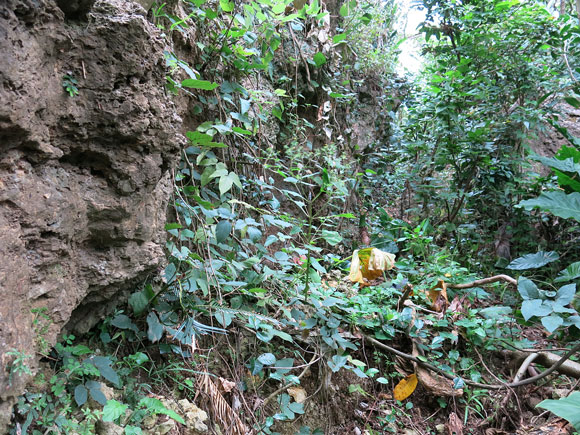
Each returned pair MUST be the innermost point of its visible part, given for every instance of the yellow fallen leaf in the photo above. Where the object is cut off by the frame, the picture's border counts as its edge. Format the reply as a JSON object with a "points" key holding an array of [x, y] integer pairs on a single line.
{"points": [[369, 264], [405, 387], [355, 272]]}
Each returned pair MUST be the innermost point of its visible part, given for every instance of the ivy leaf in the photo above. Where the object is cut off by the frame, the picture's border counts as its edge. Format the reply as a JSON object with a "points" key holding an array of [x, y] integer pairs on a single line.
{"points": [[104, 365], [533, 261], [337, 362], [199, 84], [154, 327], [96, 393], [245, 105], [267, 359], [81, 394], [139, 301], [225, 184], [296, 407], [223, 230]]}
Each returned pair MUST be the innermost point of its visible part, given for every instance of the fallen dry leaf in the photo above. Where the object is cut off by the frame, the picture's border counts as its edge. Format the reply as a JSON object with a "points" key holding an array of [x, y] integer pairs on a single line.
{"points": [[369, 264], [298, 394], [438, 297], [405, 387], [225, 386]]}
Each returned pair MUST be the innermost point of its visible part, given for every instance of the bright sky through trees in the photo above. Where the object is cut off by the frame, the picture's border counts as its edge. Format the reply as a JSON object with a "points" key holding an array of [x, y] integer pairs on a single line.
{"points": [[410, 59]]}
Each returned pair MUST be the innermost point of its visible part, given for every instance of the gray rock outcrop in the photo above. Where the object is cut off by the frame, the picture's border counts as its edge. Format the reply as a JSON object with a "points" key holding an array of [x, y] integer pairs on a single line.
{"points": [[84, 179]]}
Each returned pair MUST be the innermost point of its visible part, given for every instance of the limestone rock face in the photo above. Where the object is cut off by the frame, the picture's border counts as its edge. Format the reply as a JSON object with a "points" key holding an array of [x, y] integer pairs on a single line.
{"points": [[84, 180]]}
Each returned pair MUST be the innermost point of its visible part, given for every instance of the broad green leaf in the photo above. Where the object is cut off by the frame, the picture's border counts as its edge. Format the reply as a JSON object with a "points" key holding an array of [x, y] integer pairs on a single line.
{"points": [[319, 59], [551, 323], [571, 273], [336, 39], [366, 18], [267, 359], [227, 5], [565, 294], [241, 130], [283, 335], [138, 302], [199, 84], [527, 288], [154, 328], [296, 407], [81, 395], [113, 410], [337, 362], [155, 406], [566, 165], [204, 140], [245, 105], [566, 407], [223, 230], [573, 102], [535, 307], [533, 261], [122, 321], [225, 184], [104, 365], [333, 238], [97, 395], [502, 6], [495, 312], [556, 202]]}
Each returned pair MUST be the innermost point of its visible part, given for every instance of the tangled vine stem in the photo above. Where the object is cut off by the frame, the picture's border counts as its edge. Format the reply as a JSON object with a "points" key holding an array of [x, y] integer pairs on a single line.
{"points": [[451, 376], [291, 384]]}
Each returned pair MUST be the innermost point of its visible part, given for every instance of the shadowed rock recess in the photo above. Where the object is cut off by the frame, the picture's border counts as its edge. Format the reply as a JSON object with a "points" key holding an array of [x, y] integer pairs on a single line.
{"points": [[84, 180]]}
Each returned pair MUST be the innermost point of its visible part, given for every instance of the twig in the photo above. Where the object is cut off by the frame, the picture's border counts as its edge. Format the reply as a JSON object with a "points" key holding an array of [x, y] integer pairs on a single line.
{"points": [[484, 281], [285, 387], [468, 382], [524, 367]]}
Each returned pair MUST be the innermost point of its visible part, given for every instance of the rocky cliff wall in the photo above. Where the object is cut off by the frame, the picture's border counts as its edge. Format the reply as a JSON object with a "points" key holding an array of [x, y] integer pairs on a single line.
{"points": [[84, 180]]}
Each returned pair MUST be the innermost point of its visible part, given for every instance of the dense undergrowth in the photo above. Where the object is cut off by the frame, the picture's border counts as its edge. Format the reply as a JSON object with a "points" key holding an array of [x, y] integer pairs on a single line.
{"points": [[254, 318]]}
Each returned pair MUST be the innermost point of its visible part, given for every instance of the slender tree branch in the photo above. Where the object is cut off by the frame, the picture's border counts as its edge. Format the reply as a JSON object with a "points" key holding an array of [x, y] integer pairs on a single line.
{"points": [[485, 281]]}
